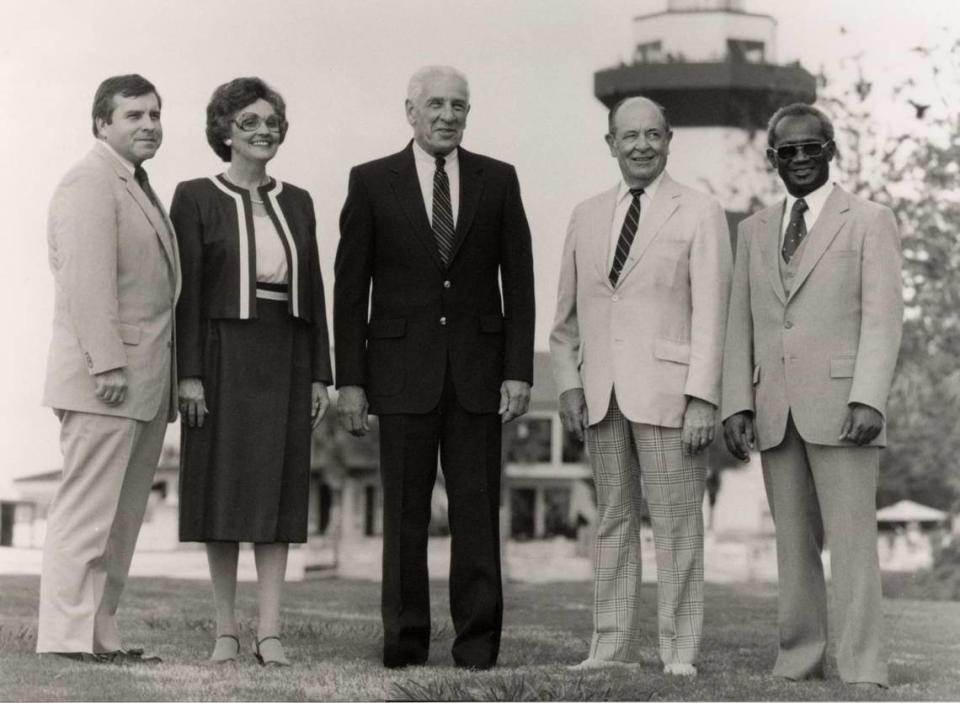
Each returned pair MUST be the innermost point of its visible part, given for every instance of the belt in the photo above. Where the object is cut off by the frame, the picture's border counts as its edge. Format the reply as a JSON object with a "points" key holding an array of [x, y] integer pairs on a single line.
{"points": [[273, 291]]}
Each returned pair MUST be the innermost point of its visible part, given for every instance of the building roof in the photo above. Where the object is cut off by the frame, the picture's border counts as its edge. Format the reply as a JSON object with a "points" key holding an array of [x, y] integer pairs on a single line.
{"points": [[909, 511]]}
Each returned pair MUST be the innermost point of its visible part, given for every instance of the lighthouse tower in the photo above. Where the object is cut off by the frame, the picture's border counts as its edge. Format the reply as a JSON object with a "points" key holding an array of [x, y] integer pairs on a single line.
{"points": [[713, 66]]}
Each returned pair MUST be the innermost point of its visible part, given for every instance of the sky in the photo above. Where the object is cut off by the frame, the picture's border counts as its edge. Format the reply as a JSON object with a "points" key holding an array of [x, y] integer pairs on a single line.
{"points": [[342, 66]]}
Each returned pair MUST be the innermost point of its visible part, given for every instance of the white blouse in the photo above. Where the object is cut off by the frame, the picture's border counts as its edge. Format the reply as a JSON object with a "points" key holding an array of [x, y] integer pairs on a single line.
{"points": [[271, 257]]}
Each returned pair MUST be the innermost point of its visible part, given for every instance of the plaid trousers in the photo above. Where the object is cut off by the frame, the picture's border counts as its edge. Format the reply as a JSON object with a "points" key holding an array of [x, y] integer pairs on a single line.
{"points": [[631, 460]]}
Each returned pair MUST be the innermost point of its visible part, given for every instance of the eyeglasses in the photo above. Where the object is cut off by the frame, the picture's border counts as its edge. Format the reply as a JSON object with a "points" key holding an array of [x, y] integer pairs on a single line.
{"points": [[789, 151], [250, 122]]}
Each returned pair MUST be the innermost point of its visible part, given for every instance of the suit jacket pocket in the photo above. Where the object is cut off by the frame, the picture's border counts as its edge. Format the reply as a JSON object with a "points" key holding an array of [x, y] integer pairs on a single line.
{"points": [[671, 350], [386, 329], [130, 334], [386, 356], [842, 366], [491, 324]]}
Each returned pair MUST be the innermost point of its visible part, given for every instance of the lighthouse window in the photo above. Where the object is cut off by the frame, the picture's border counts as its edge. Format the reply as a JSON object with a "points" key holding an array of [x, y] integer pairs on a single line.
{"points": [[650, 52], [746, 50]]}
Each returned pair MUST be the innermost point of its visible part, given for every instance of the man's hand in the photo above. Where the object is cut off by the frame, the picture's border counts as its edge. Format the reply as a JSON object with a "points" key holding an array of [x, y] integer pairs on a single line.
{"points": [[862, 425], [699, 420], [111, 386], [352, 408], [320, 403], [573, 411], [193, 405], [738, 434], [514, 400]]}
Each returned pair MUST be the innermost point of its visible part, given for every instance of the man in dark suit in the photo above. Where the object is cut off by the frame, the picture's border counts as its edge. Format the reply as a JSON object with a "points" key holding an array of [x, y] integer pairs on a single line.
{"points": [[440, 353]]}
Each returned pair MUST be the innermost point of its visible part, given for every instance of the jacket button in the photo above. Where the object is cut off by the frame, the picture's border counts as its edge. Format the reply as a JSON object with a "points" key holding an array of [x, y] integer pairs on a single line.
{"points": [[788, 324], [446, 284], [615, 297], [443, 320]]}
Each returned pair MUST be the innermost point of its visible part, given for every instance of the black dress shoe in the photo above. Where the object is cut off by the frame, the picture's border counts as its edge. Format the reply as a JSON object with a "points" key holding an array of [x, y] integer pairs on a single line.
{"points": [[84, 657], [130, 656]]}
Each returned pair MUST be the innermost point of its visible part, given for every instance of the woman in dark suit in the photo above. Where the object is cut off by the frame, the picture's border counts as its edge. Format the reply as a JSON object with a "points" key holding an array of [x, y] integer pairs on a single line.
{"points": [[253, 355]]}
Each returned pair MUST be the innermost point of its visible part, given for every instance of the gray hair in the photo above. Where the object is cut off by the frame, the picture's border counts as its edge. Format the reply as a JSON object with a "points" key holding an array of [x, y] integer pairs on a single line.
{"points": [[799, 110], [418, 81]]}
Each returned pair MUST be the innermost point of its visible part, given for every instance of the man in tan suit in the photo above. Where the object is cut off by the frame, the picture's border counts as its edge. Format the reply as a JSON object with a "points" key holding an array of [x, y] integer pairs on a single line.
{"points": [[636, 347], [109, 371], [812, 341]]}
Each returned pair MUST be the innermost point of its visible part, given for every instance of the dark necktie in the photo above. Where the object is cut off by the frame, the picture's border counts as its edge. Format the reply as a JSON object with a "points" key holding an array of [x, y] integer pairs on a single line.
{"points": [[442, 212], [141, 177], [627, 233], [796, 230]]}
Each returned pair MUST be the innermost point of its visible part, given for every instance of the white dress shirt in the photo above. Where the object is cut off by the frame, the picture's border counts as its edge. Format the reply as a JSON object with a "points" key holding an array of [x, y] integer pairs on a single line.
{"points": [[426, 167], [815, 201], [129, 166], [623, 206]]}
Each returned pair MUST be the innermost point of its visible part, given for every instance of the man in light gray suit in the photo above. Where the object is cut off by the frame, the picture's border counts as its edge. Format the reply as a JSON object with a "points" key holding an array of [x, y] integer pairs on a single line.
{"points": [[109, 372], [813, 333]]}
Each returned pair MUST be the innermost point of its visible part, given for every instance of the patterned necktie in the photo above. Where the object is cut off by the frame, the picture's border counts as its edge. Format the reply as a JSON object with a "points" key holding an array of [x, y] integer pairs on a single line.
{"points": [[627, 233], [141, 177], [442, 212], [796, 229]]}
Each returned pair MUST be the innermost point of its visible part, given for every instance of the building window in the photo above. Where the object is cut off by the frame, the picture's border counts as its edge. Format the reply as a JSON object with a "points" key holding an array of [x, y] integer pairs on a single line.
{"points": [[746, 51], [574, 451], [324, 508], [649, 52], [556, 519], [527, 440], [522, 513]]}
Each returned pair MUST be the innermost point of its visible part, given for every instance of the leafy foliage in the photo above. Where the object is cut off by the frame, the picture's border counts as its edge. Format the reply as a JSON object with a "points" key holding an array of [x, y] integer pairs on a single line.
{"points": [[912, 164]]}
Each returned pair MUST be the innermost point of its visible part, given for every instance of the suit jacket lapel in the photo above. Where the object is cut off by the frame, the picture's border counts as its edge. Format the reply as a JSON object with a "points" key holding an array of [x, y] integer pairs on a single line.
{"points": [[665, 202], [406, 188], [599, 226], [471, 187], [824, 230], [770, 220], [156, 217]]}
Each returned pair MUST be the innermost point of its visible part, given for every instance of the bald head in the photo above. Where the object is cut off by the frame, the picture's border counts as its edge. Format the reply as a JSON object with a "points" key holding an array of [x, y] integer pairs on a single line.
{"points": [[633, 102]]}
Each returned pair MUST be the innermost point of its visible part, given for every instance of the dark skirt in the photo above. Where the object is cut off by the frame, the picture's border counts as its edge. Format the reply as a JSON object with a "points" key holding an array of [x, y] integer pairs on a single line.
{"points": [[245, 475]]}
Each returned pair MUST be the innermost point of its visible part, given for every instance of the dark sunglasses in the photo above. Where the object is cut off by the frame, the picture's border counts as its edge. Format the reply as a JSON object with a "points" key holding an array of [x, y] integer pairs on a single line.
{"points": [[789, 151]]}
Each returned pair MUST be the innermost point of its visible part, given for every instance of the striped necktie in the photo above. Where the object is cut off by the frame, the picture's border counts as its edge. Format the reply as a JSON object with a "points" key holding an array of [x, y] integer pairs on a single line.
{"points": [[796, 229], [442, 212], [627, 233]]}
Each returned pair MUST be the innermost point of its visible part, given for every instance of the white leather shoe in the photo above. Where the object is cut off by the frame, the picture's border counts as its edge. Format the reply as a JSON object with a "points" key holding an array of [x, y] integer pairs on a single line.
{"points": [[678, 669], [589, 664]]}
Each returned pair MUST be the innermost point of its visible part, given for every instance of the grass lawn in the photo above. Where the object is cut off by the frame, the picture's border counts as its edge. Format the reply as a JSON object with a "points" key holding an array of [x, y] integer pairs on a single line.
{"points": [[332, 632]]}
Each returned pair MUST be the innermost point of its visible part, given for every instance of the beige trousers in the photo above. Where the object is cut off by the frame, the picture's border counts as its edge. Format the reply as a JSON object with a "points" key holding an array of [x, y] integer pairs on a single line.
{"points": [[814, 492], [92, 527]]}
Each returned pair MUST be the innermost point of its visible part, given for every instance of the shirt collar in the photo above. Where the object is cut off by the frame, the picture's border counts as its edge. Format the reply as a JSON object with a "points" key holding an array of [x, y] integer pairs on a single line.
{"points": [[649, 190], [129, 166], [815, 200], [420, 154]]}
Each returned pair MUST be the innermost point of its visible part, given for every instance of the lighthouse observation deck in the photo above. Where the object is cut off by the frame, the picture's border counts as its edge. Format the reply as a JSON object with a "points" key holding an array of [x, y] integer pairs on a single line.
{"points": [[709, 63]]}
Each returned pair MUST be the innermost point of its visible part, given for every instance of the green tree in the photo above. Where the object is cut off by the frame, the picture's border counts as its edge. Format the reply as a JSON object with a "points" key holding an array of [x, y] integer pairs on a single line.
{"points": [[909, 159]]}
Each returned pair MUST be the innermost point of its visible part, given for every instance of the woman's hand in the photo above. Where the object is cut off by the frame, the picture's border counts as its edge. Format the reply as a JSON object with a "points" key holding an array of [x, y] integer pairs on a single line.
{"points": [[193, 407], [320, 404]]}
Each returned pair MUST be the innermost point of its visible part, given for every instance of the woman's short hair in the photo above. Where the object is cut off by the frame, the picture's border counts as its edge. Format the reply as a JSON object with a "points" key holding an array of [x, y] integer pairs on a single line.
{"points": [[228, 99]]}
